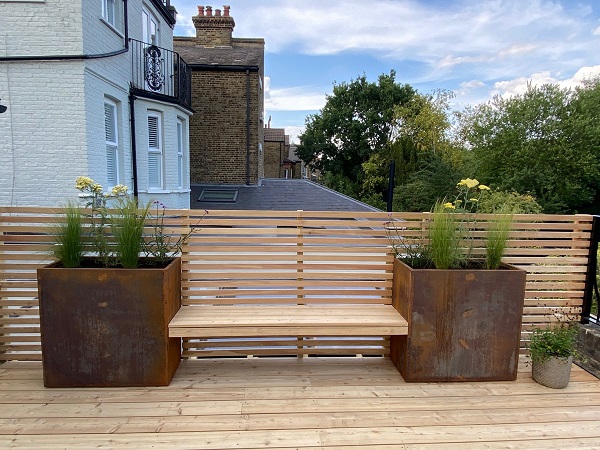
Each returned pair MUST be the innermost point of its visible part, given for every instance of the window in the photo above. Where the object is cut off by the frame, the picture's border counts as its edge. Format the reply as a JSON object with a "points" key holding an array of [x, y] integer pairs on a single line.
{"points": [[155, 170], [218, 195], [108, 11], [180, 153], [111, 132], [149, 28]]}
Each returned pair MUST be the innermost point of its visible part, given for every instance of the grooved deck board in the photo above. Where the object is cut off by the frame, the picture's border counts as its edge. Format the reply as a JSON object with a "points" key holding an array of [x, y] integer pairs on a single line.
{"points": [[298, 403]]}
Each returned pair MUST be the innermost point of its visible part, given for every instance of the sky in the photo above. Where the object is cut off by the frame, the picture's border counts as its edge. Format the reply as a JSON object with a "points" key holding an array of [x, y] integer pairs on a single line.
{"points": [[475, 48]]}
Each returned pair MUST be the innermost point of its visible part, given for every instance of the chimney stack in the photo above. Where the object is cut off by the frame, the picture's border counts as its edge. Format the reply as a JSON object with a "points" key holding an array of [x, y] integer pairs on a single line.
{"points": [[213, 30]]}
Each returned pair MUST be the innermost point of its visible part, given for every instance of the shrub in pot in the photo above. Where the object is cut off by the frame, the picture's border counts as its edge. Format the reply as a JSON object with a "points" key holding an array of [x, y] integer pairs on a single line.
{"points": [[464, 314], [106, 303], [551, 351]]}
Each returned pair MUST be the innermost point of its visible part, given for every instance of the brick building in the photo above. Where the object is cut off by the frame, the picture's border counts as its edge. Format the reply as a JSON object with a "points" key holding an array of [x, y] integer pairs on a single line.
{"points": [[92, 87], [226, 131]]}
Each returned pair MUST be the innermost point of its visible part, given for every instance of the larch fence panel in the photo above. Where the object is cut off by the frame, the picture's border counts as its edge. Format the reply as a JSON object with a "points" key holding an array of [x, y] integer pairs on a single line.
{"points": [[281, 257]]}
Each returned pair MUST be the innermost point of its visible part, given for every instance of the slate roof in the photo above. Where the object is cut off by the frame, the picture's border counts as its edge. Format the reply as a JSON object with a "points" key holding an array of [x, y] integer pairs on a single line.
{"points": [[275, 194], [226, 56], [274, 134]]}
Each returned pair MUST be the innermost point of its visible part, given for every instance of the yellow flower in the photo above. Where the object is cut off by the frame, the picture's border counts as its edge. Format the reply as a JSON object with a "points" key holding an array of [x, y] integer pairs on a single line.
{"points": [[468, 182], [82, 183], [483, 187], [473, 199], [449, 205], [96, 188], [119, 189]]}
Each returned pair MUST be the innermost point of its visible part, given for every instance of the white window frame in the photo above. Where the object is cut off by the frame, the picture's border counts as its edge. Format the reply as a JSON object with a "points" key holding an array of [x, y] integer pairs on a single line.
{"points": [[147, 20], [109, 12], [180, 152], [155, 152], [112, 145]]}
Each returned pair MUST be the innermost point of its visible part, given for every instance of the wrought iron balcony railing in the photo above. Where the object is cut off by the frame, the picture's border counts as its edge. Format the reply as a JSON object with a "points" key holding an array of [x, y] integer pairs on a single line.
{"points": [[160, 73]]}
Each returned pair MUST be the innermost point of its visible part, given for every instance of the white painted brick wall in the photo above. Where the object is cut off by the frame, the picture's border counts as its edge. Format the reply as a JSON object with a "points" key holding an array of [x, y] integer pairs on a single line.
{"points": [[43, 132], [52, 27], [54, 128]]}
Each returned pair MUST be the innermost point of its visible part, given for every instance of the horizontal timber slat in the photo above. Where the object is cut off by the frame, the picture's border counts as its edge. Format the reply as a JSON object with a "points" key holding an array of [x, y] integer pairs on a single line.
{"points": [[286, 258]]}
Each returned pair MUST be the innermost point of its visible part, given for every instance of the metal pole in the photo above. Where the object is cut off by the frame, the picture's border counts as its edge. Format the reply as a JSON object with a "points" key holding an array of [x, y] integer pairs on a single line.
{"points": [[590, 277], [390, 199]]}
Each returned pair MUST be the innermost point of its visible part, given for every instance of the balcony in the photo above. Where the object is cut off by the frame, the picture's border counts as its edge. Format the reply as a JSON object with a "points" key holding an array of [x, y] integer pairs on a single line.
{"points": [[160, 74]]}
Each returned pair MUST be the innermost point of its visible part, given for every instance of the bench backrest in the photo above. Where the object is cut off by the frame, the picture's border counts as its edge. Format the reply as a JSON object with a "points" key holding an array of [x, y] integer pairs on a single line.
{"points": [[266, 257]]}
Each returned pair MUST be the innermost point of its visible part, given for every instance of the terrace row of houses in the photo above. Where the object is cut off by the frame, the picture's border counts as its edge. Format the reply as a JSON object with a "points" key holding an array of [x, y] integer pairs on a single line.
{"points": [[102, 88]]}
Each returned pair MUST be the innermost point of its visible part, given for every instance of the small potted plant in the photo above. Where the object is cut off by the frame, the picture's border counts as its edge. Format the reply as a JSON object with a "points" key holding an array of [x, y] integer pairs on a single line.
{"points": [[551, 351], [464, 313], [106, 303]]}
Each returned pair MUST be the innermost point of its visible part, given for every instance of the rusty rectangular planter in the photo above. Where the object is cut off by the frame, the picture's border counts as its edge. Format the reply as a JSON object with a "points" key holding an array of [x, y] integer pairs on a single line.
{"points": [[463, 325], [109, 326]]}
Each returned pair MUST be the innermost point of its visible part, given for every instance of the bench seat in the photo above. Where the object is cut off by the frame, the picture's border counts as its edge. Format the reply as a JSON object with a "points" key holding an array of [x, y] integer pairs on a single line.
{"points": [[287, 320]]}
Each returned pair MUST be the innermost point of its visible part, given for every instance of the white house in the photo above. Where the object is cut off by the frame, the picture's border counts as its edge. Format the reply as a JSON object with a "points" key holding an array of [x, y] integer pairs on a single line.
{"points": [[72, 75]]}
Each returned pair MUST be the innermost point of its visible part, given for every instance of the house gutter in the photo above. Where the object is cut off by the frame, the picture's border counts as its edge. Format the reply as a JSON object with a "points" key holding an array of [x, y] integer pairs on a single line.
{"points": [[125, 49], [247, 127], [134, 173]]}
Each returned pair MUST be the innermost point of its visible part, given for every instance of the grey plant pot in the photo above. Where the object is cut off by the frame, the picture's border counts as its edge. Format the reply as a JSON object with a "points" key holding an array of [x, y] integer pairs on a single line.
{"points": [[553, 373]]}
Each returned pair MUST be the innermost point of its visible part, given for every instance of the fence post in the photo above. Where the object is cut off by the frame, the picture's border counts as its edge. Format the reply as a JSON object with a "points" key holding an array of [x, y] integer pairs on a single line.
{"points": [[590, 276]]}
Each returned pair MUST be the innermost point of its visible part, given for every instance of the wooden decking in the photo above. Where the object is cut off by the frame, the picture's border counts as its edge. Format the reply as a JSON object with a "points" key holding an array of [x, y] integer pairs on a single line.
{"points": [[333, 403]]}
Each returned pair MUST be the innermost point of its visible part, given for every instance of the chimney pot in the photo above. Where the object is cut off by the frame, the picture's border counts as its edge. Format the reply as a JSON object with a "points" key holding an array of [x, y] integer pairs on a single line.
{"points": [[209, 11], [217, 12], [201, 10], [226, 10]]}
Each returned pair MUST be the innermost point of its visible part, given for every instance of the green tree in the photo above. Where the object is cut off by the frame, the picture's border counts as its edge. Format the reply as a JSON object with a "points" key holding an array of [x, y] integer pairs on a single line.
{"points": [[544, 142], [355, 123]]}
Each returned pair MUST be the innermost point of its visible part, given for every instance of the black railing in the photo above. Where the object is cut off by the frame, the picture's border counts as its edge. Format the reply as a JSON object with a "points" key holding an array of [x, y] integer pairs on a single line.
{"points": [[591, 297], [160, 73]]}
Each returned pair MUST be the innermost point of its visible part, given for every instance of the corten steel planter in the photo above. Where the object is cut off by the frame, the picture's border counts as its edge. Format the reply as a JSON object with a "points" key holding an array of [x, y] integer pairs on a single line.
{"points": [[109, 326], [463, 325]]}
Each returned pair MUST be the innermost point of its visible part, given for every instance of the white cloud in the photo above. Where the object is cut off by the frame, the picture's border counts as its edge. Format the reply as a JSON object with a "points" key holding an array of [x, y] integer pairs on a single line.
{"points": [[294, 99], [294, 132], [517, 49], [596, 32], [473, 84], [518, 86]]}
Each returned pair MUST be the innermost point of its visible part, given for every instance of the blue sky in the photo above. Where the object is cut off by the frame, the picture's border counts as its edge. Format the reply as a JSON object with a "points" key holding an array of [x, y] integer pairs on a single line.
{"points": [[476, 48]]}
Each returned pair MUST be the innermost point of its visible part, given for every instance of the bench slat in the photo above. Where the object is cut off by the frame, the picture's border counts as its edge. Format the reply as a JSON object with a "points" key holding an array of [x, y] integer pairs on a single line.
{"points": [[300, 320]]}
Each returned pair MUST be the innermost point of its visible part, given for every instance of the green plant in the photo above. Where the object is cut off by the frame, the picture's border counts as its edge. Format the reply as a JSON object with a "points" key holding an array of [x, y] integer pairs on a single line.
{"points": [[69, 248], [554, 341], [448, 242], [497, 235], [127, 224], [115, 236], [445, 235]]}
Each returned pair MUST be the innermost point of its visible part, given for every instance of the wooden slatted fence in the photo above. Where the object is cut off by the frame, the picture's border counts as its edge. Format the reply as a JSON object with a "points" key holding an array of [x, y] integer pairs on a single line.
{"points": [[274, 257]]}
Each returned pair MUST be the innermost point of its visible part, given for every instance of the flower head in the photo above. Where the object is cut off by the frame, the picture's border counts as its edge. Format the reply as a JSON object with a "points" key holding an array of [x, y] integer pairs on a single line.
{"points": [[483, 187], [468, 182], [82, 183], [473, 199], [449, 205], [96, 188], [119, 189]]}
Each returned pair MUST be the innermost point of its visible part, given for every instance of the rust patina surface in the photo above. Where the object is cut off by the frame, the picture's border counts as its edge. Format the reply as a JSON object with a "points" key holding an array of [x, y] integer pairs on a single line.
{"points": [[464, 325], [109, 327]]}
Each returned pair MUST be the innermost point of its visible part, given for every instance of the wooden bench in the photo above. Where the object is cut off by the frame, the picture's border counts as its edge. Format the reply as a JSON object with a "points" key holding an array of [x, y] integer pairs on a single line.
{"points": [[287, 283]]}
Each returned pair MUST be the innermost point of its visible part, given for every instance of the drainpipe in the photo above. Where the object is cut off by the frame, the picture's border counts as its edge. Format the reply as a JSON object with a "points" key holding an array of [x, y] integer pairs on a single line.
{"points": [[125, 49], [133, 144], [247, 127]]}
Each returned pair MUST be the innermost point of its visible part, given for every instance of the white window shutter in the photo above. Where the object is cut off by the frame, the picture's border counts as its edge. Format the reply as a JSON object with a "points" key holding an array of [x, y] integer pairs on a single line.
{"points": [[111, 165], [111, 136], [180, 153], [154, 152]]}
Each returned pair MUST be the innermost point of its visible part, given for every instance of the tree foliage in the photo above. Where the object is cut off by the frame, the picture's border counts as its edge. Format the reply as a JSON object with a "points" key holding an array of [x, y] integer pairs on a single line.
{"points": [[544, 142], [355, 123]]}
